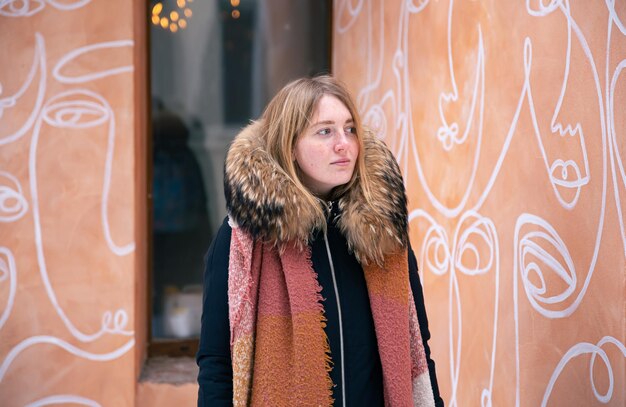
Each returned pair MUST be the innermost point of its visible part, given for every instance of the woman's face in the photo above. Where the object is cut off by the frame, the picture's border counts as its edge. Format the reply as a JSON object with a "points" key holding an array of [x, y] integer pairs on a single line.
{"points": [[327, 150]]}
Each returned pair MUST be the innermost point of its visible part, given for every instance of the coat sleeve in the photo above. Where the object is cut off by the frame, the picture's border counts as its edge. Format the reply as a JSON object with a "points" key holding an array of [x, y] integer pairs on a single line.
{"points": [[418, 296], [215, 377]]}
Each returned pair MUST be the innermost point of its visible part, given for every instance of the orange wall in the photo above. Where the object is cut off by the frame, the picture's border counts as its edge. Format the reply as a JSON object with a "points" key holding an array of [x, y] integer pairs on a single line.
{"points": [[507, 118], [523, 262], [68, 181]]}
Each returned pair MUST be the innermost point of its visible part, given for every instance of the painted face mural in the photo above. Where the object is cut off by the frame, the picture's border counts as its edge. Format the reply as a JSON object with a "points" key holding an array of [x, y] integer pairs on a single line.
{"points": [[506, 121], [66, 204]]}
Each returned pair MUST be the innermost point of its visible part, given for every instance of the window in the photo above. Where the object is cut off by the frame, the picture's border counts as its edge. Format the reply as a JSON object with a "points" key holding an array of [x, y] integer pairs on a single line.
{"points": [[214, 66]]}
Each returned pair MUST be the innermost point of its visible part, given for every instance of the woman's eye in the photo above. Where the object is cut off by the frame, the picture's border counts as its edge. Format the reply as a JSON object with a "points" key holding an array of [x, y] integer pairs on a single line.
{"points": [[324, 132], [351, 130]]}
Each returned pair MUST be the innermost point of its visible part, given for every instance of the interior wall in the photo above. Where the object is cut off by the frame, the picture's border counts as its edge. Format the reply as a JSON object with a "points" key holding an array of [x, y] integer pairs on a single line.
{"points": [[67, 202], [508, 120]]}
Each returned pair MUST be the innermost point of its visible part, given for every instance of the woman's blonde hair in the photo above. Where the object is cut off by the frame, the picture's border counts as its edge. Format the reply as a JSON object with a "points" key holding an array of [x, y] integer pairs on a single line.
{"points": [[290, 112]]}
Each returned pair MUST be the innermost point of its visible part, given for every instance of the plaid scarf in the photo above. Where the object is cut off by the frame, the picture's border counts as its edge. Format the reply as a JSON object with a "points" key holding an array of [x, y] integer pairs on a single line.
{"points": [[280, 352]]}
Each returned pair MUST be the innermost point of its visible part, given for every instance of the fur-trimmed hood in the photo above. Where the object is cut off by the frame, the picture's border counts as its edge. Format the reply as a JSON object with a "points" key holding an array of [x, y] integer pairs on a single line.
{"points": [[265, 202]]}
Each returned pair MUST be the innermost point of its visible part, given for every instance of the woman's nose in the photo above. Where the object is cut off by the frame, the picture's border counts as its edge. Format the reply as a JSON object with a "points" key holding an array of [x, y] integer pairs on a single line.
{"points": [[342, 142]]}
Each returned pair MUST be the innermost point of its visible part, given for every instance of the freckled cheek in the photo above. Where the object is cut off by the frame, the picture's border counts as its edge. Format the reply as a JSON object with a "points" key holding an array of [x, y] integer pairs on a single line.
{"points": [[311, 165], [315, 157], [355, 149], [309, 162]]}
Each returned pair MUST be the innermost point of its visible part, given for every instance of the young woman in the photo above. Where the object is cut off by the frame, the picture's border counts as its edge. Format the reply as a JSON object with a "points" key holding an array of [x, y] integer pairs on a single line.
{"points": [[311, 291]]}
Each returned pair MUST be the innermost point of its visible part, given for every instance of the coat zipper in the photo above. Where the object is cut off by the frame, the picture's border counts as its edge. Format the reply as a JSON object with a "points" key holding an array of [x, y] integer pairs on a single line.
{"points": [[332, 273]]}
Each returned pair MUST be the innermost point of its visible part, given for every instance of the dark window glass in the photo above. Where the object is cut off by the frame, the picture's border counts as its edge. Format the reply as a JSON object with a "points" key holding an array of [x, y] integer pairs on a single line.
{"points": [[214, 66]]}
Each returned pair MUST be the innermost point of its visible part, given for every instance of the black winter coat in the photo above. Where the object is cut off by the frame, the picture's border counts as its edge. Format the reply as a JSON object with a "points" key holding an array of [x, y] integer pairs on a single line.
{"points": [[363, 370]]}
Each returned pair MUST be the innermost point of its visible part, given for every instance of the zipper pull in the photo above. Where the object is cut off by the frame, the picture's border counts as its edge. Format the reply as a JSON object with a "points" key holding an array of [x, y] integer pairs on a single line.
{"points": [[329, 208]]}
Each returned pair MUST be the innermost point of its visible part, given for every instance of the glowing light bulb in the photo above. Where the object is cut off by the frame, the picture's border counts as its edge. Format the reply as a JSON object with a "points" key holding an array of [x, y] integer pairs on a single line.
{"points": [[173, 20], [235, 14], [234, 3]]}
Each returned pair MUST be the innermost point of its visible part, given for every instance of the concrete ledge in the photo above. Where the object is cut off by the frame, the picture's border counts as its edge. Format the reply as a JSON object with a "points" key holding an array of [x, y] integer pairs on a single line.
{"points": [[163, 369], [168, 382]]}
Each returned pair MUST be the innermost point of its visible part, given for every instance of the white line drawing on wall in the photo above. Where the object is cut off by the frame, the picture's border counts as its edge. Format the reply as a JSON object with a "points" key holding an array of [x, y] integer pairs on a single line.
{"points": [[13, 205], [474, 234], [8, 102], [549, 235], [74, 109], [613, 17], [564, 173], [526, 96], [448, 133], [7, 271], [615, 155], [68, 5], [63, 399], [373, 80], [616, 159], [22, 8], [51, 340], [62, 112], [354, 11], [71, 56], [416, 8], [408, 130], [398, 65], [533, 244], [68, 113], [535, 261], [528, 63], [559, 170], [436, 237], [585, 348]]}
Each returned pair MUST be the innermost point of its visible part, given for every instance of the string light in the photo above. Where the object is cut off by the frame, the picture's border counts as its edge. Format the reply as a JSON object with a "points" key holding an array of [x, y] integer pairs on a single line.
{"points": [[235, 14], [174, 22]]}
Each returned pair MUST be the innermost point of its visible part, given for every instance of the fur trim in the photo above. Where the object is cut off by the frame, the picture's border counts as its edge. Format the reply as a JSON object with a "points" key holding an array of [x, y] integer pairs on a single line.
{"points": [[380, 227], [264, 201]]}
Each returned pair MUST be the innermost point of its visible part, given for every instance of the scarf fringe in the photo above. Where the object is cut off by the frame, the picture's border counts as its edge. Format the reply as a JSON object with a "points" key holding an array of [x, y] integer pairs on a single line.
{"points": [[239, 291], [328, 360]]}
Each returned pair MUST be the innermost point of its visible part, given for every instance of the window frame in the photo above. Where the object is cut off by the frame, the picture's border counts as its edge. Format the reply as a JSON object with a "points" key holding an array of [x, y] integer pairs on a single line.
{"points": [[156, 347]]}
